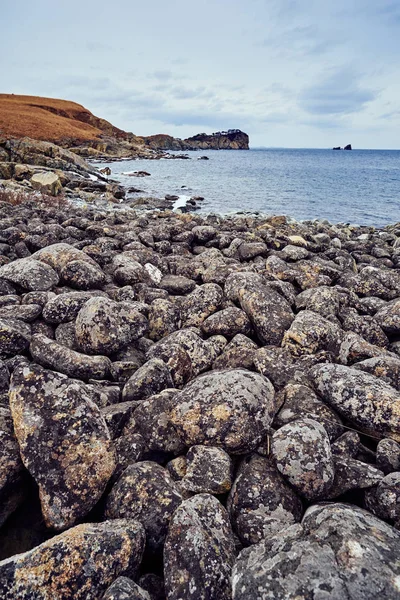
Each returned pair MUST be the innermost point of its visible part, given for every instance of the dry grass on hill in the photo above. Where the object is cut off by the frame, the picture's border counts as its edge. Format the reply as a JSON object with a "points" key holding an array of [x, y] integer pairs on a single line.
{"points": [[50, 119]]}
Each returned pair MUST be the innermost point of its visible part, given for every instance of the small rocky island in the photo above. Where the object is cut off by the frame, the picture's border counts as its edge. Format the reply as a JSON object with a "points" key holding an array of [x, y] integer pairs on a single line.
{"points": [[348, 147]]}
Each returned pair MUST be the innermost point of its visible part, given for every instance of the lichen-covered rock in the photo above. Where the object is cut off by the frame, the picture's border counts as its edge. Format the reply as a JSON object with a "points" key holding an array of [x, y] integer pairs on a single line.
{"points": [[384, 499], [270, 314], [340, 551], [11, 468], [388, 456], [279, 365], [178, 362], [385, 367], [130, 448], [231, 409], [351, 474], [151, 378], [64, 442], [60, 255], [26, 313], [387, 317], [104, 326], [51, 354], [200, 304], [302, 453], [79, 563], [145, 492], [354, 348], [124, 588], [299, 401], [177, 284], [208, 470], [15, 337], [261, 503], [238, 354], [164, 318], [348, 444], [310, 333], [82, 275], [202, 353], [228, 322], [126, 270], [366, 401], [199, 551], [153, 421], [29, 274], [322, 300], [65, 307]]}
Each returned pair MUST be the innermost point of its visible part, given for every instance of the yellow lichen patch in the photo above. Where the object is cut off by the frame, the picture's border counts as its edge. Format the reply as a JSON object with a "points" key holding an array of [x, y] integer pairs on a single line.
{"points": [[221, 412]]}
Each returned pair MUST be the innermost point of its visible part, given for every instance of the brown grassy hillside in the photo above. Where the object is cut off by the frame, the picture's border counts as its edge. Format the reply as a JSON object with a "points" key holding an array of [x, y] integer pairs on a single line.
{"points": [[49, 119]]}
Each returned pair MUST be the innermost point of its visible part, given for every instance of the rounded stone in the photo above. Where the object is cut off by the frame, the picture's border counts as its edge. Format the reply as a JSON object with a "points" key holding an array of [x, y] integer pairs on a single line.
{"points": [[302, 453], [231, 409]]}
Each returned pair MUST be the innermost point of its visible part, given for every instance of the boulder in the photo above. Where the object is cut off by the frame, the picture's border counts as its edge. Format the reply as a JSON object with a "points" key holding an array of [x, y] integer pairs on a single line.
{"points": [[200, 570], [64, 442], [310, 333], [145, 492], [231, 409], [338, 552], [103, 326], [80, 563], [152, 419], [302, 453], [261, 503], [208, 470], [15, 337], [200, 304], [47, 183], [51, 354], [366, 401], [29, 274], [124, 588], [151, 378]]}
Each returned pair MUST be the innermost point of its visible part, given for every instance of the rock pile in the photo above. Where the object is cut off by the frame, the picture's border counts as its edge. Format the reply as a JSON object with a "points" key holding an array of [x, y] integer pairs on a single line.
{"points": [[197, 408]]}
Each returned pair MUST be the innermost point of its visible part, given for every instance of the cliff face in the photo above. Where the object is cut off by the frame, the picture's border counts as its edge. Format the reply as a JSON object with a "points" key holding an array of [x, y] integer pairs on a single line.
{"points": [[233, 139]]}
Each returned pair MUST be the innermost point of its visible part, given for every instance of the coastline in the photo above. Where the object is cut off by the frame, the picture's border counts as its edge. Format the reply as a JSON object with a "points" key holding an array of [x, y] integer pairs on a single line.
{"points": [[214, 362]]}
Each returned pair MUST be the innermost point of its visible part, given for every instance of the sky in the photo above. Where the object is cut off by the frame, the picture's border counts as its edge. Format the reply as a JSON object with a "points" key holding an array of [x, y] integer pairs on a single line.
{"points": [[290, 73]]}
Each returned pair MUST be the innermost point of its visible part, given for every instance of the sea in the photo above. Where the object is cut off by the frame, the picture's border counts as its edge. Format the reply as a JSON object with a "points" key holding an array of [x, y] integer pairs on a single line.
{"points": [[357, 187]]}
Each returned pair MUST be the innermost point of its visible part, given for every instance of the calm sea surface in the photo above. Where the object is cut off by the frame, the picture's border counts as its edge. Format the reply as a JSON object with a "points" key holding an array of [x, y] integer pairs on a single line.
{"points": [[361, 186]]}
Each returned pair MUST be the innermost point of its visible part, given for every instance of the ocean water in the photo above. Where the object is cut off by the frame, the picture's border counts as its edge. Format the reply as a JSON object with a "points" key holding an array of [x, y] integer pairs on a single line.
{"points": [[358, 187]]}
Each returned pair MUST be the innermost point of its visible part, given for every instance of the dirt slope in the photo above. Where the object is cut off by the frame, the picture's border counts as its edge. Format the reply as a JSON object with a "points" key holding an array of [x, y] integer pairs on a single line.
{"points": [[49, 119]]}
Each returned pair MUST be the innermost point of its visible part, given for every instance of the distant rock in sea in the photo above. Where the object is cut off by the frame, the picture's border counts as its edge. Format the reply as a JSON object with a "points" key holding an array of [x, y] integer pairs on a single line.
{"points": [[348, 147]]}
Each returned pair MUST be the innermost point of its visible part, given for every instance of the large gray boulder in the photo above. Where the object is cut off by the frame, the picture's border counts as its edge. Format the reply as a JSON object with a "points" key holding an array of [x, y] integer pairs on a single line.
{"points": [[231, 409], [339, 552], [366, 401]]}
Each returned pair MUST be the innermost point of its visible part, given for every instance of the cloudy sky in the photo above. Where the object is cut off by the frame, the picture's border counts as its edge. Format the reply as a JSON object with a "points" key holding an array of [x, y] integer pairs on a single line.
{"points": [[292, 73]]}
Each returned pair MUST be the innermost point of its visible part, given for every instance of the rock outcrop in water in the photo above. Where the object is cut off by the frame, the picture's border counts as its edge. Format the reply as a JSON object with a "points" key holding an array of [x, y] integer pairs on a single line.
{"points": [[233, 139], [196, 407]]}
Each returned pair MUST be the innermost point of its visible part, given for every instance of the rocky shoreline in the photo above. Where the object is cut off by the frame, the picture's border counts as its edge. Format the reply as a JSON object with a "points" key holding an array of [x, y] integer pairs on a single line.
{"points": [[197, 407]]}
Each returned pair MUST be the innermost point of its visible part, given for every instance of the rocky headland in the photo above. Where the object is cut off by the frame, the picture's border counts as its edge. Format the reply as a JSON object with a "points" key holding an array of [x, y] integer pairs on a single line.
{"points": [[197, 407], [233, 139]]}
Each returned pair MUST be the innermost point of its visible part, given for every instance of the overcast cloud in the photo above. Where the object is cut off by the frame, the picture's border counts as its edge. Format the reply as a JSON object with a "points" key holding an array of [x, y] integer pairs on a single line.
{"points": [[315, 73]]}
